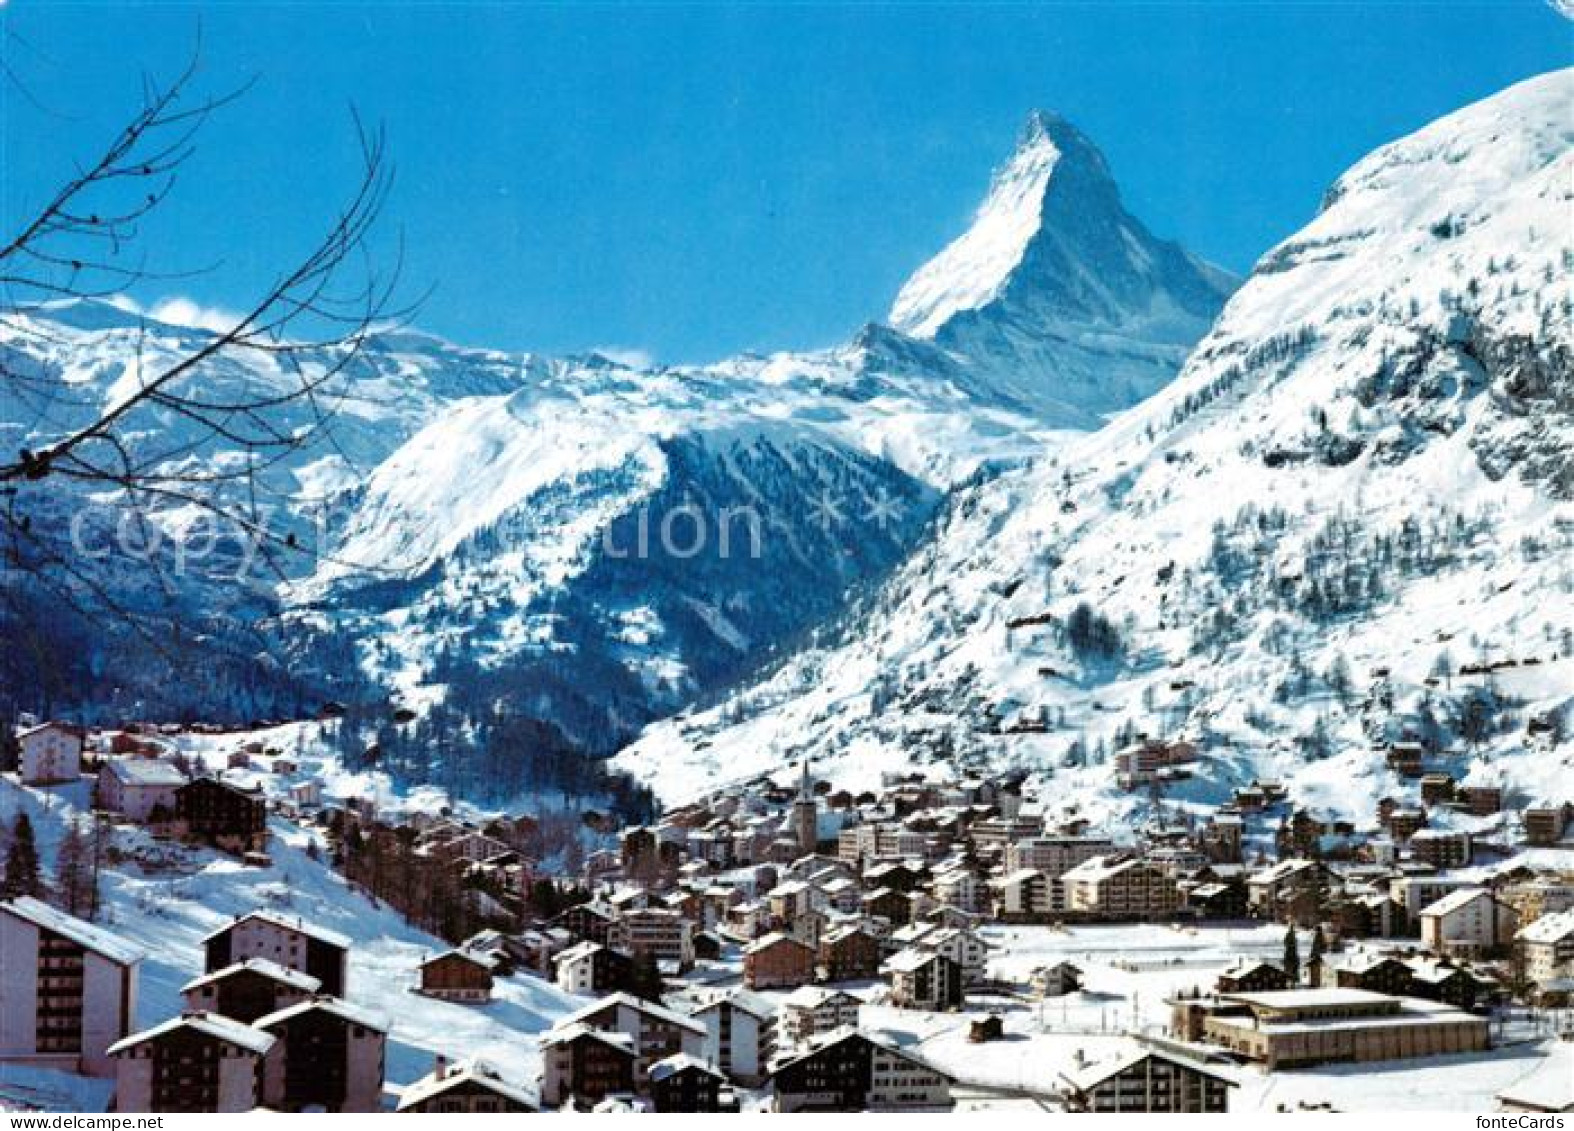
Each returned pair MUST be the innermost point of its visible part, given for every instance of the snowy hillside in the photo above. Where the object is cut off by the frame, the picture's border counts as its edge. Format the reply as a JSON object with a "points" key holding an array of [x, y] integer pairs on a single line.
{"points": [[1350, 519], [169, 897], [467, 513]]}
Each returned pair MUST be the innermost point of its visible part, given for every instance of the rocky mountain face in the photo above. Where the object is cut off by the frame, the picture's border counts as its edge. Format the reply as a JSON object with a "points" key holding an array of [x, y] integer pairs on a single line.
{"points": [[1346, 522], [603, 543], [1056, 297]]}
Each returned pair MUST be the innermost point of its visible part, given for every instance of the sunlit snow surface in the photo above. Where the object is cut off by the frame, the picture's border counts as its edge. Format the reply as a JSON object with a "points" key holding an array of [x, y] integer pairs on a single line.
{"points": [[1124, 520]]}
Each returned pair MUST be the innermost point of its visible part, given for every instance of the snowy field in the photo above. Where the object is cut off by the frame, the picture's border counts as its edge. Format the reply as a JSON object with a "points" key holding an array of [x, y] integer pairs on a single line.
{"points": [[1129, 972]]}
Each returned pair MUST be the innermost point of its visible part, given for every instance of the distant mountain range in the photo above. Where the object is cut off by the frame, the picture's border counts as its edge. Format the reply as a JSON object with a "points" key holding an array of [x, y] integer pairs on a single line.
{"points": [[479, 515], [1063, 496]]}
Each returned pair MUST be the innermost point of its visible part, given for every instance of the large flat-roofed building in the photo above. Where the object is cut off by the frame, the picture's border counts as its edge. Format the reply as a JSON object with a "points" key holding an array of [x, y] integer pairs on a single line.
{"points": [[68, 989], [1300, 1027], [1055, 855]]}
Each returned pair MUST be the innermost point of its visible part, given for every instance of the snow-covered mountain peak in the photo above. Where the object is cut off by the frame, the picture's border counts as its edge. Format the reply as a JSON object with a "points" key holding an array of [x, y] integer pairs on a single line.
{"points": [[1056, 299], [1076, 155], [1356, 498], [972, 269], [474, 506]]}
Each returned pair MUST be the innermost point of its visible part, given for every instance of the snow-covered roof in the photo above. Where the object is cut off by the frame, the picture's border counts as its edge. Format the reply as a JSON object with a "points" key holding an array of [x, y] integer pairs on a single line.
{"points": [[680, 1062], [569, 1031], [39, 728], [297, 924], [1100, 868], [1433, 971], [913, 958], [210, 1024], [338, 1007], [145, 771], [629, 1001], [84, 934], [756, 1005], [1453, 901], [295, 979], [595, 907], [1549, 928], [1550, 1087], [477, 1072], [578, 951], [821, 1041], [913, 932], [475, 958], [1362, 961], [1093, 1075], [846, 930], [1311, 998], [812, 997], [775, 938], [1280, 871]]}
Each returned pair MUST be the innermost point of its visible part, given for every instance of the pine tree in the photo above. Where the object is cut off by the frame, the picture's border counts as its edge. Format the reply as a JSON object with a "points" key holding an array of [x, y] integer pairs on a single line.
{"points": [[21, 875], [1339, 679], [74, 879], [1292, 957], [1314, 961], [99, 844]]}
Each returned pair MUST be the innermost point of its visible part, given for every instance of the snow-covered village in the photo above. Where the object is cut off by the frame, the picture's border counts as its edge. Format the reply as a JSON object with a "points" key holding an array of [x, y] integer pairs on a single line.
{"points": [[1118, 674], [926, 944]]}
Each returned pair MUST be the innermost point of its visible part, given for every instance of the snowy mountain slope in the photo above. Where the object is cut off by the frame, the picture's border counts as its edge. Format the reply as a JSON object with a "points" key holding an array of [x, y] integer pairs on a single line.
{"points": [[468, 508], [658, 568], [1056, 297], [1355, 495], [167, 897], [96, 353]]}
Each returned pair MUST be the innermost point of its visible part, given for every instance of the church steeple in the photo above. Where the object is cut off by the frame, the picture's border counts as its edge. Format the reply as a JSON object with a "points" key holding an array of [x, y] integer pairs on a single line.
{"points": [[806, 813]]}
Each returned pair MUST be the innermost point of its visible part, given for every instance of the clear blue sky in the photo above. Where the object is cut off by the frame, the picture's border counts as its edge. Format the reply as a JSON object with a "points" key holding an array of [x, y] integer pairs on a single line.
{"points": [[696, 180]]}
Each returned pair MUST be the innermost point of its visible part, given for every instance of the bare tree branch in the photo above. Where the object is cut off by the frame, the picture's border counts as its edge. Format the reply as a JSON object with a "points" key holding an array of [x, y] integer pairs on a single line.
{"points": [[283, 365]]}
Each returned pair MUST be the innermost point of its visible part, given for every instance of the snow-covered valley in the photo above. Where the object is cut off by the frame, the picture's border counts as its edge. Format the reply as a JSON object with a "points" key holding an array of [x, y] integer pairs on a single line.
{"points": [[622, 540]]}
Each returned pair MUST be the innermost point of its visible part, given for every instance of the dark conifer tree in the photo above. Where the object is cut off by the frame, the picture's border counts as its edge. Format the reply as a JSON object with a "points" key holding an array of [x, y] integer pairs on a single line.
{"points": [[21, 874]]}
